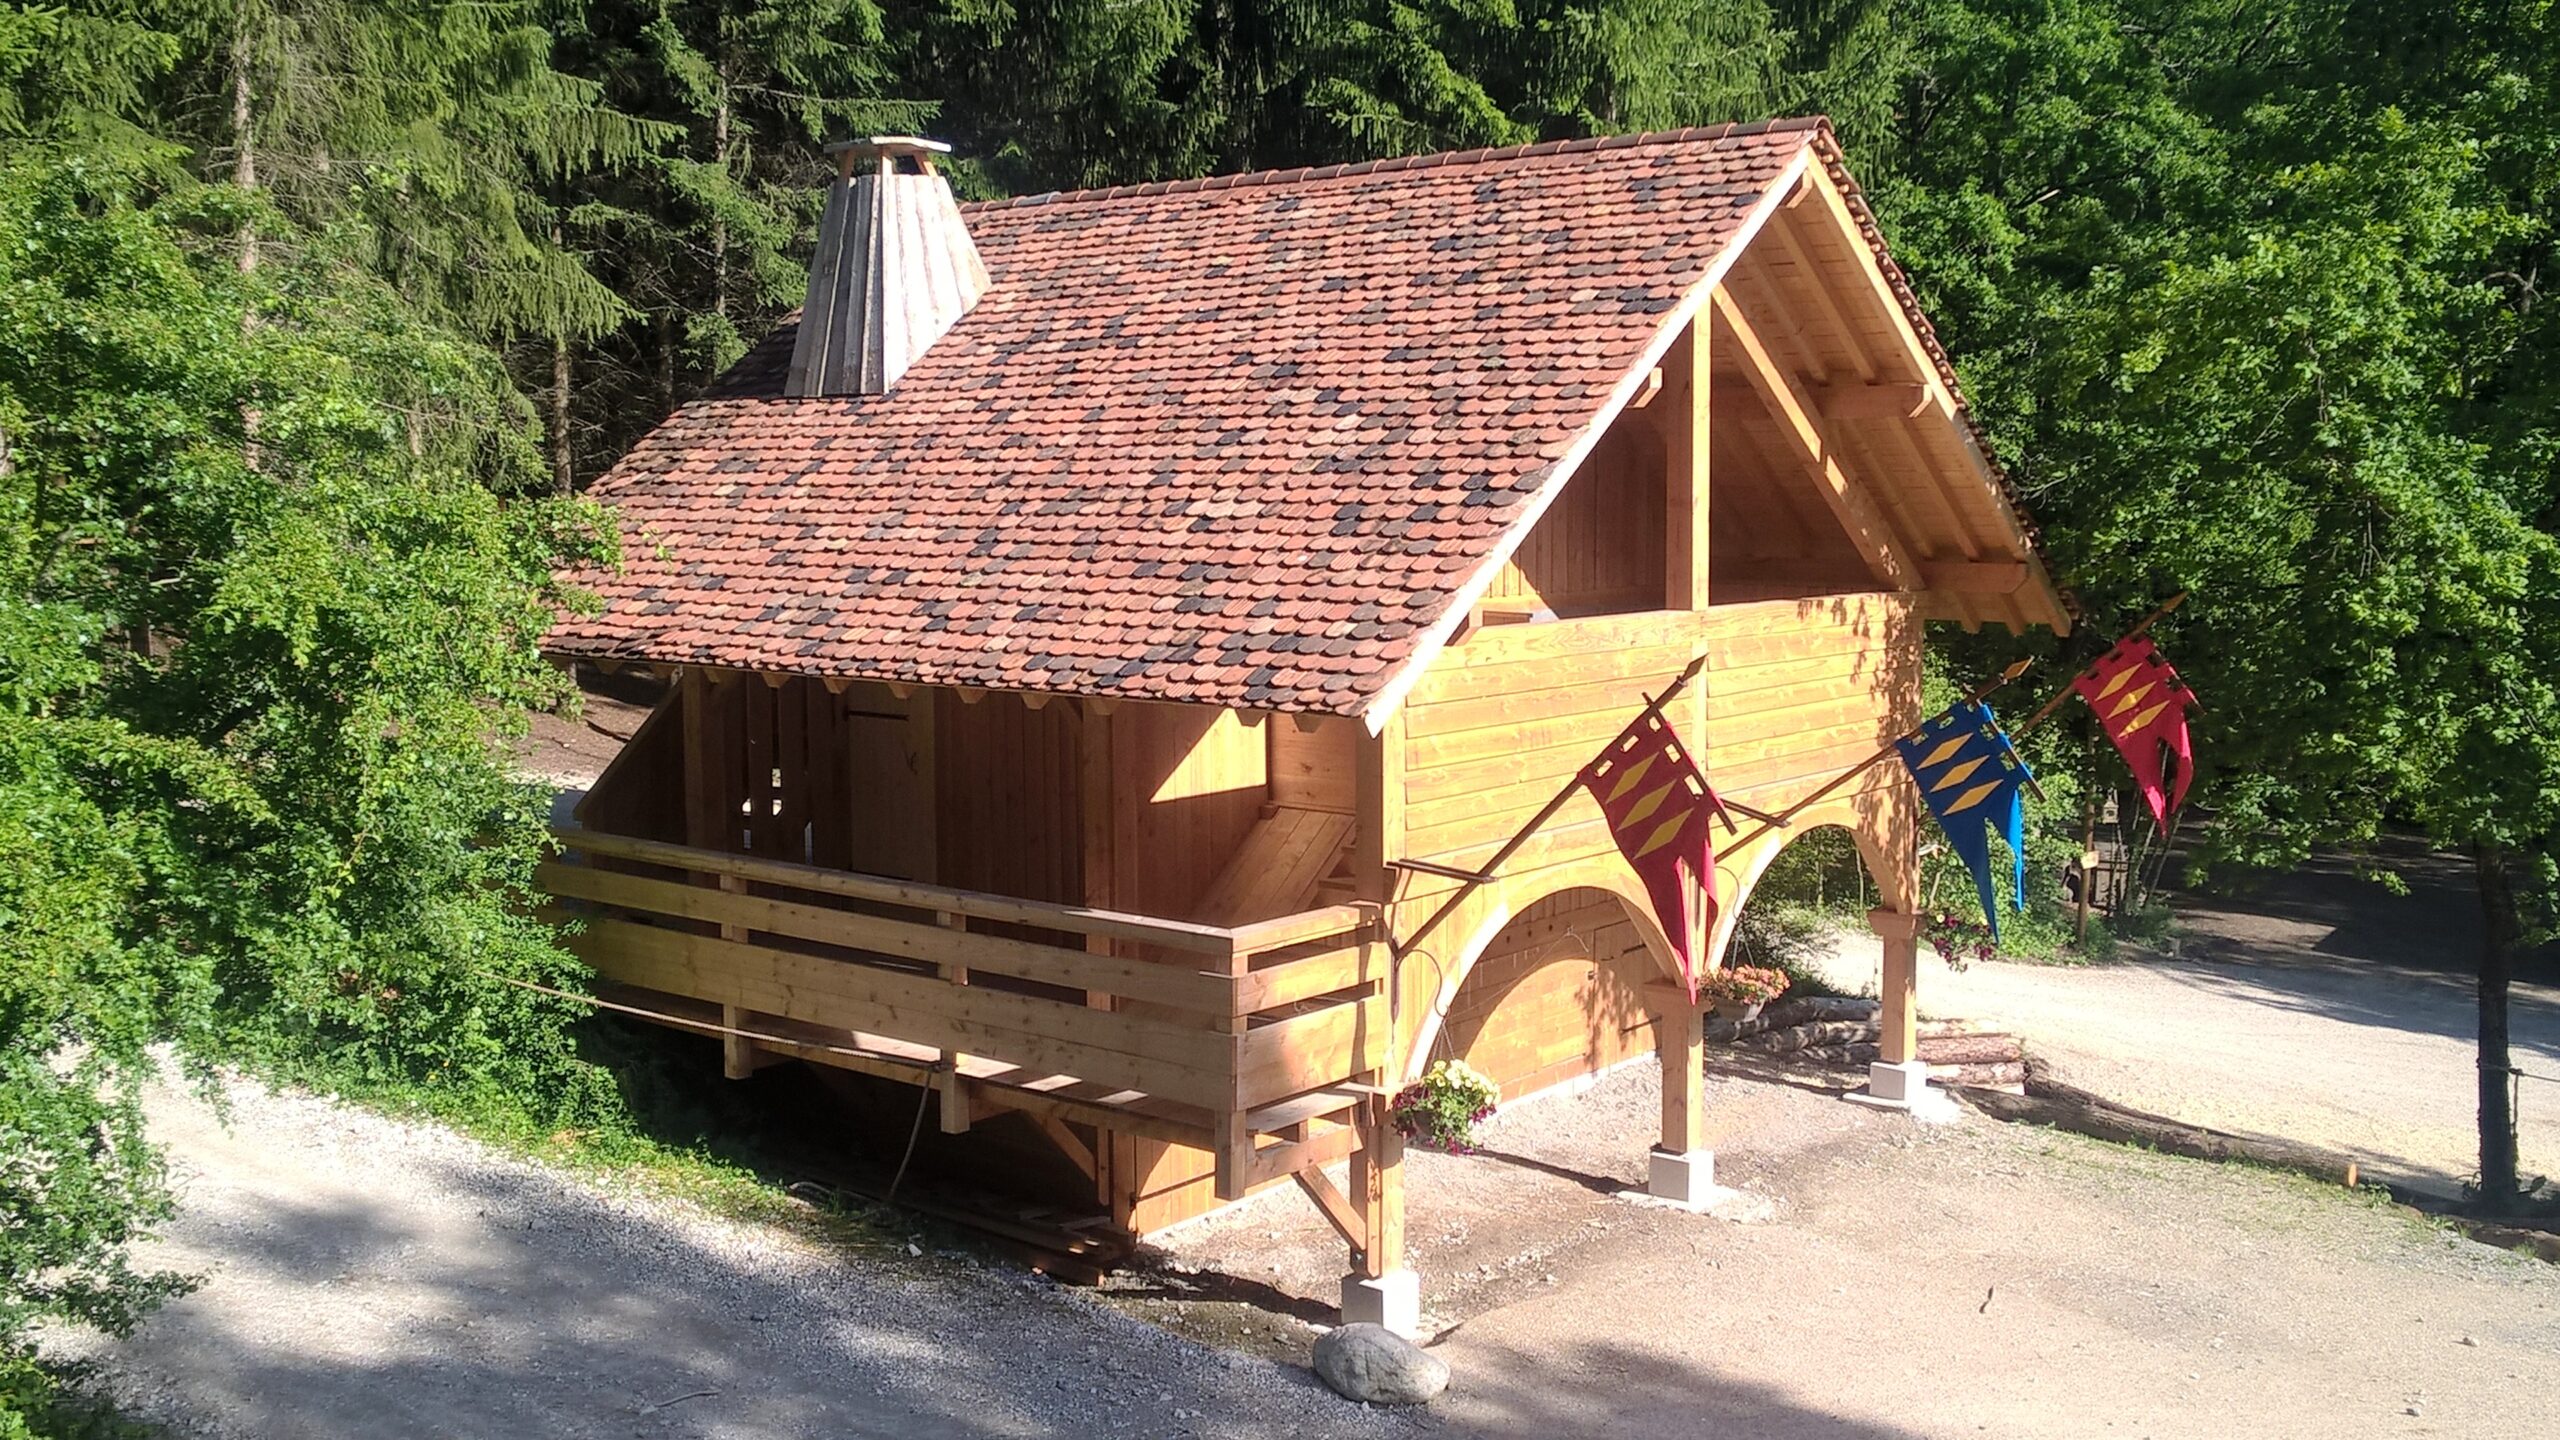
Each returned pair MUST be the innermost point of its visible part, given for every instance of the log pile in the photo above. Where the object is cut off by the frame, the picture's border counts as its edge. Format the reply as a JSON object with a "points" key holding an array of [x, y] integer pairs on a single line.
{"points": [[1841, 1031]]}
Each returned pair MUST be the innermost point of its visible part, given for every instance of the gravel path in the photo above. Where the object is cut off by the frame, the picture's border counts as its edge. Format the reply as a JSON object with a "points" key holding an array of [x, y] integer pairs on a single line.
{"points": [[1910, 1282], [2322, 1010], [370, 1277]]}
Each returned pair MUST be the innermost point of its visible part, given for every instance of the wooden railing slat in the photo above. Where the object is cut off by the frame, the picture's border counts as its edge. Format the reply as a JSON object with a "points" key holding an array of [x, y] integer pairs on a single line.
{"points": [[1177, 1062], [1169, 985], [1174, 934]]}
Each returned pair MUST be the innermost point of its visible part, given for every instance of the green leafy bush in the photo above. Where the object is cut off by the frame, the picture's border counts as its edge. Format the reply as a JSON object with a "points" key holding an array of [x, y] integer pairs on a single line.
{"points": [[266, 630]]}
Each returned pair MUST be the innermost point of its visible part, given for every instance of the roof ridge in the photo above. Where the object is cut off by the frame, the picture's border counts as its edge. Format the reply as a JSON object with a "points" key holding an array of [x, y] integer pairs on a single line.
{"points": [[1444, 159]]}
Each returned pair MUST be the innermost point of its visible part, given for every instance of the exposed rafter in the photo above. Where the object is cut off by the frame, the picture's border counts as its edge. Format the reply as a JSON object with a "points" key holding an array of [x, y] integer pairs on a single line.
{"points": [[1798, 422], [1891, 400]]}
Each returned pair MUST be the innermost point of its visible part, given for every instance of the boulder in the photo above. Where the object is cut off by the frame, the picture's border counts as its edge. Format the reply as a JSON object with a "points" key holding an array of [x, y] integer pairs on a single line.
{"points": [[1374, 1364]]}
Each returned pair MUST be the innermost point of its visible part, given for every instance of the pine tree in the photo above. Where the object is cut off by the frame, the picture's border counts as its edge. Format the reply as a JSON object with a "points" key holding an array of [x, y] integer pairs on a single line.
{"points": [[709, 237]]}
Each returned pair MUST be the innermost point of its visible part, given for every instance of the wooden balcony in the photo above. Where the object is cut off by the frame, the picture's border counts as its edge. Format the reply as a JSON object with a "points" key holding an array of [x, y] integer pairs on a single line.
{"points": [[1263, 1044]]}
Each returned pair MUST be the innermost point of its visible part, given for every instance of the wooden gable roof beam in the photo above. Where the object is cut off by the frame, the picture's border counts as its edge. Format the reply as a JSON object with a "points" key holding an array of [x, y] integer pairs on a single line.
{"points": [[1798, 421]]}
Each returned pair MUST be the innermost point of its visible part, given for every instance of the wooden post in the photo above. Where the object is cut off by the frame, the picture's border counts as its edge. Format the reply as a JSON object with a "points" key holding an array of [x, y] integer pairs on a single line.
{"points": [[1683, 1045], [2088, 866], [1377, 1188], [1096, 816], [1234, 1142], [737, 1052], [955, 1094], [1898, 1041], [1682, 414], [711, 823]]}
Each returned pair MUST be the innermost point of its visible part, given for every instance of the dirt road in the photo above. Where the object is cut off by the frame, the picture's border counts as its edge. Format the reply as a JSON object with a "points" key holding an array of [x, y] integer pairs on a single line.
{"points": [[1925, 1283], [2321, 1009], [376, 1279]]}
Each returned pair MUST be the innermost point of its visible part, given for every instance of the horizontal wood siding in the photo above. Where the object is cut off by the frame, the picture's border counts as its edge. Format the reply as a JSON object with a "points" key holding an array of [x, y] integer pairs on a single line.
{"points": [[1799, 690], [1510, 715]]}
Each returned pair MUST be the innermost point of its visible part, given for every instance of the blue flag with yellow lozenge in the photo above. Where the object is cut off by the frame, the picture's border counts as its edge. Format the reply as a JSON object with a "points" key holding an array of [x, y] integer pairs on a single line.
{"points": [[1969, 776]]}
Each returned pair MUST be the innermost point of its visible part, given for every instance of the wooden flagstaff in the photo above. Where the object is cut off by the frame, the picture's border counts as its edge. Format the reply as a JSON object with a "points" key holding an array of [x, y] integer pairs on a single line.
{"points": [[1883, 752], [1469, 880]]}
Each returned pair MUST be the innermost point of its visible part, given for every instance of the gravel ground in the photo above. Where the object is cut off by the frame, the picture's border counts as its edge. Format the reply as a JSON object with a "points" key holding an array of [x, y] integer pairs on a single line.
{"points": [[1910, 1281], [370, 1277], [2321, 1010]]}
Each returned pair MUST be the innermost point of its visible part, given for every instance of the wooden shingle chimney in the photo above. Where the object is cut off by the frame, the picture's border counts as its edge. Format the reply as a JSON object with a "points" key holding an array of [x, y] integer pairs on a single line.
{"points": [[895, 268]]}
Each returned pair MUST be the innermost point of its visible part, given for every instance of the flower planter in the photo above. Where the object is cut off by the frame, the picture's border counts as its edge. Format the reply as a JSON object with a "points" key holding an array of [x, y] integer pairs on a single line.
{"points": [[1739, 1010]]}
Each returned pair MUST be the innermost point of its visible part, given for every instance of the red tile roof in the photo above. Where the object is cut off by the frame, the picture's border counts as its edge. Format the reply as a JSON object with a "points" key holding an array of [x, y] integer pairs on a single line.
{"points": [[1232, 441]]}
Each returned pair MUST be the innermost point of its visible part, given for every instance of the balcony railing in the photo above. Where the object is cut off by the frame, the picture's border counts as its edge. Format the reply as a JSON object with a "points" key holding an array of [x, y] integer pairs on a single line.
{"points": [[1255, 1042]]}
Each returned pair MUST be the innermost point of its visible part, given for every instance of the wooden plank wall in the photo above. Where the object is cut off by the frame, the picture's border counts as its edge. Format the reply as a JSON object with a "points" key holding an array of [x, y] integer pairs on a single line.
{"points": [[1315, 766], [1559, 994], [1186, 785], [1798, 690], [1794, 692], [889, 776], [1599, 547], [1505, 718], [1187, 782], [1007, 792]]}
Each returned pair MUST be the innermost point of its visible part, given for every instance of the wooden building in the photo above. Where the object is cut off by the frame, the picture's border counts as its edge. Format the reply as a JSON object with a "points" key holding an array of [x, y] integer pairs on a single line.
{"points": [[1105, 620]]}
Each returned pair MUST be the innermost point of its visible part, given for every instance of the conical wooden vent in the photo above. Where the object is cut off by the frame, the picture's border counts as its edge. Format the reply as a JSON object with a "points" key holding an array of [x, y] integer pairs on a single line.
{"points": [[895, 269]]}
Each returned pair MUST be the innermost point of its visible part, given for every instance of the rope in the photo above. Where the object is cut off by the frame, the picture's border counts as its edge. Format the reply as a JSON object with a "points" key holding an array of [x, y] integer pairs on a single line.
{"points": [[924, 1097], [924, 1093]]}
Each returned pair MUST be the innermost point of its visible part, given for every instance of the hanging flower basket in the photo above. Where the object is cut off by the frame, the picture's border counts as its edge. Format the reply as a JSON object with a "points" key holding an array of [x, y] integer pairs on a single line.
{"points": [[1959, 941], [1739, 992], [1443, 1108]]}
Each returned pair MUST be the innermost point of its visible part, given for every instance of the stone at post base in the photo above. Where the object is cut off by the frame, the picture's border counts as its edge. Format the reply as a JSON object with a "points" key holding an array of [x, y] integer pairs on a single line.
{"points": [[1392, 1301], [1688, 1180], [1905, 1087], [1378, 1367]]}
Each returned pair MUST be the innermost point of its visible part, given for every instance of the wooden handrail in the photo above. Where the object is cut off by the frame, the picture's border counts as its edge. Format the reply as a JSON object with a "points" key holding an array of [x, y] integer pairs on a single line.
{"points": [[1173, 934], [1285, 930]]}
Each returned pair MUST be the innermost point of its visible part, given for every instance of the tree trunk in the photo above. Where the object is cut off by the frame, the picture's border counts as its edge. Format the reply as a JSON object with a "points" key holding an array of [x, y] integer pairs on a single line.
{"points": [[564, 462], [564, 470], [244, 164], [719, 219], [666, 362], [2501, 933]]}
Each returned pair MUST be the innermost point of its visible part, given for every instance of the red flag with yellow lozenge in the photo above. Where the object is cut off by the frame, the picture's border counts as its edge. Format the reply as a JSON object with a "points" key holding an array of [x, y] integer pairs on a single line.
{"points": [[2142, 705], [1659, 809]]}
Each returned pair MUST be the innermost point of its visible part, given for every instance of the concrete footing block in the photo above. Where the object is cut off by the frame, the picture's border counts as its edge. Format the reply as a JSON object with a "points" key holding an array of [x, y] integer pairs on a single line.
{"points": [[1688, 1179], [1905, 1087], [1392, 1300]]}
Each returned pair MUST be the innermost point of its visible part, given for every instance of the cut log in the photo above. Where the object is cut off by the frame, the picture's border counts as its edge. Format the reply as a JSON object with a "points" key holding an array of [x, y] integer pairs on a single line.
{"points": [[2065, 1107], [1990, 1049], [1808, 1035], [2003, 1075], [1800, 1009]]}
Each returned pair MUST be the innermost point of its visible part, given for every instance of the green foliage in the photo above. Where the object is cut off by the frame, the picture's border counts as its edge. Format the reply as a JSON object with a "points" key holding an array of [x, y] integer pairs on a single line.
{"points": [[294, 294], [268, 629]]}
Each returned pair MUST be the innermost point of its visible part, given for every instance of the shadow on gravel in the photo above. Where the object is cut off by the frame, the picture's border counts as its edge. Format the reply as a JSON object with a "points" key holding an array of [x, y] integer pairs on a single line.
{"points": [[1608, 1389], [2327, 910], [2385, 996], [458, 1301]]}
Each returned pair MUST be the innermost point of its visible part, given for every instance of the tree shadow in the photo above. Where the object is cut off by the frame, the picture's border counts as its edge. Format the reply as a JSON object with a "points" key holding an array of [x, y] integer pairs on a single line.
{"points": [[1611, 1388], [450, 1294], [2329, 909]]}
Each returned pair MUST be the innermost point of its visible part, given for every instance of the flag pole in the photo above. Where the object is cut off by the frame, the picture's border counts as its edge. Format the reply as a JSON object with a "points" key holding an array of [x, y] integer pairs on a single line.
{"points": [[1883, 752], [1467, 882], [2045, 712]]}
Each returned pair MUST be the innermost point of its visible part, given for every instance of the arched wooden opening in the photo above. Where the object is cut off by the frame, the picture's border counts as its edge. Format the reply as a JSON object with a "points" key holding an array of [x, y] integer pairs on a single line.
{"points": [[1497, 919], [1555, 994]]}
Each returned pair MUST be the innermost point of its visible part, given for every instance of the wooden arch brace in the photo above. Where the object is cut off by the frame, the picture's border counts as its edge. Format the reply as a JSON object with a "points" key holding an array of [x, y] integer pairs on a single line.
{"points": [[1798, 420]]}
